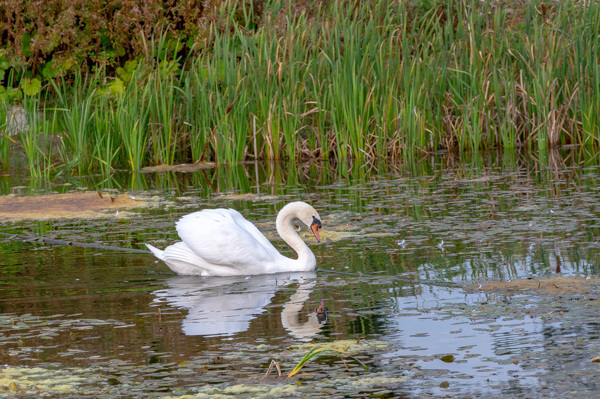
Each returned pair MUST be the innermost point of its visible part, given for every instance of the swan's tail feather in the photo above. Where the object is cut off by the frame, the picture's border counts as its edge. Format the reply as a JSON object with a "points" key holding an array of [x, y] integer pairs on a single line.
{"points": [[157, 252], [182, 260], [182, 253]]}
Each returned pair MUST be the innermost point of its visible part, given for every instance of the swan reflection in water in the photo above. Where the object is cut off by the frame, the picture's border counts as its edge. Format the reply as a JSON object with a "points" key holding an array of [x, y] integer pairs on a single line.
{"points": [[222, 306]]}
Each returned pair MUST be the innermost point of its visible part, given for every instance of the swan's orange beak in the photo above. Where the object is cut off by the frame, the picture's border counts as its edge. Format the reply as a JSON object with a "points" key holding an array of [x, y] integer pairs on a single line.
{"points": [[315, 229], [315, 226]]}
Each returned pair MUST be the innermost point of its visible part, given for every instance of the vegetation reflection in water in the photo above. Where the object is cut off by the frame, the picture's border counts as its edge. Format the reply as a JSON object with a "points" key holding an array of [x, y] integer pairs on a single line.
{"points": [[127, 324]]}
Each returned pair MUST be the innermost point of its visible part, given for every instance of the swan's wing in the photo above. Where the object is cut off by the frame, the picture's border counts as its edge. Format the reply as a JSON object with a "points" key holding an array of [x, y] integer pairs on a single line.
{"points": [[224, 237], [251, 228]]}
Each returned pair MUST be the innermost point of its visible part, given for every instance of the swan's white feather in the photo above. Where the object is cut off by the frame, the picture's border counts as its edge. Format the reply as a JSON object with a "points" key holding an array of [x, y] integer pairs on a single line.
{"points": [[223, 237], [179, 258]]}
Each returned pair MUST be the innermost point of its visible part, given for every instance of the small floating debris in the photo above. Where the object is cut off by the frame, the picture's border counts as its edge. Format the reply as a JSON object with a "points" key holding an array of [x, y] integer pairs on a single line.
{"points": [[447, 359]]}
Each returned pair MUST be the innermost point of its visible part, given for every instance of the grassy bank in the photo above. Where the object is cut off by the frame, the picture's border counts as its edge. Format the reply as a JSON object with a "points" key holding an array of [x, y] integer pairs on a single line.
{"points": [[353, 79]]}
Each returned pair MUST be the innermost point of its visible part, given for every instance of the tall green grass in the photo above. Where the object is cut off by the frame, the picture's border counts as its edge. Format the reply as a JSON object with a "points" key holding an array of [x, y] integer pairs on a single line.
{"points": [[35, 138], [5, 139], [362, 80], [76, 105]]}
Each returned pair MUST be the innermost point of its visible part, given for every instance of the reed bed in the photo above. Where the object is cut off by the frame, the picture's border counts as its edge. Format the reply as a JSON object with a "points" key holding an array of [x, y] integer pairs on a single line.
{"points": [[364, 80]]}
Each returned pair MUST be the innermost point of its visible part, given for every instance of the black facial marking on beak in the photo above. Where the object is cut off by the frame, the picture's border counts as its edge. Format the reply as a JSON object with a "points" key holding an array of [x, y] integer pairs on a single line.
{"points": [[315, 221]]}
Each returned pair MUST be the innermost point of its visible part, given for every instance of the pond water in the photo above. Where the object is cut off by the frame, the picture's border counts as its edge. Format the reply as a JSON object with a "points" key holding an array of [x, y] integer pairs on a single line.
{"points": [[405, 250]]}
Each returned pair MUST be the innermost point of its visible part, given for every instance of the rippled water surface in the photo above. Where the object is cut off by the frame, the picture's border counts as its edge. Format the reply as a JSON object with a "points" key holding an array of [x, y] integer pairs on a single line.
{"points": [[405, 249]]}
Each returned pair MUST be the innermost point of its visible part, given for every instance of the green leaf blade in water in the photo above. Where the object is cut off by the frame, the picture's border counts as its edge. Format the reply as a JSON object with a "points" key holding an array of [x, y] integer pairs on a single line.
{"points": [[314, 352]]}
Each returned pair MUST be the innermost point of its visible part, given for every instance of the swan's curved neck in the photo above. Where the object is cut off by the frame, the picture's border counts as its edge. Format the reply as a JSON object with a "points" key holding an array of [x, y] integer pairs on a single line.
{"points": [[306, 259]]}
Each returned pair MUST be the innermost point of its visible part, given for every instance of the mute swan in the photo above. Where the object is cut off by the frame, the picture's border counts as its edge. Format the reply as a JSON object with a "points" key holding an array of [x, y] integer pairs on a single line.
{"points": [[220, 242]]}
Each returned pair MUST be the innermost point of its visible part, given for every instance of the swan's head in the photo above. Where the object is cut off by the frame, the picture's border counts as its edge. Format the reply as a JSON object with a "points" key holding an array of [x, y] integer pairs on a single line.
{"points": [[307, 215]]}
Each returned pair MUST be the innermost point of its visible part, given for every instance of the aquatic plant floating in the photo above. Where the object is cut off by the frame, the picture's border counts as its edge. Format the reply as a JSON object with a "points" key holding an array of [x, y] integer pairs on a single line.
{"points": [[314, 352], [221, 242], [75, 205]]}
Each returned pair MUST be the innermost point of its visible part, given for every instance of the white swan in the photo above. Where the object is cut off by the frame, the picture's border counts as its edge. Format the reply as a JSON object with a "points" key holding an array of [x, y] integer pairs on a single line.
{"points": [[220, 242]]}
